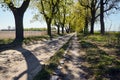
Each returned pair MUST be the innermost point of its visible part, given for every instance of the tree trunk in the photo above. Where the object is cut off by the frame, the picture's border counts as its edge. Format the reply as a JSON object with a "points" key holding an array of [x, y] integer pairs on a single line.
{"points": [[70, 28], [18, 16], [92, 27], [102, 17], [86, 26], [58, 30], [62, 30], [49, 29], [92, 22]]}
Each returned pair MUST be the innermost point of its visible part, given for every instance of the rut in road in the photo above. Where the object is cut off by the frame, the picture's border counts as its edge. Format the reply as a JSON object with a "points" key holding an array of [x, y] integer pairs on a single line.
{"points": [[72, 67]]}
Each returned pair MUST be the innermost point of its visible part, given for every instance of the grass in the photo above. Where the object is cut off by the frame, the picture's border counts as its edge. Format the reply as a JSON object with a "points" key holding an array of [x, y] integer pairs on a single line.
{"points": [[109, 40], [27, 40], [85, 44], [6, 41], [48, 70], [102, 65], [37, 38], [34, 38]]}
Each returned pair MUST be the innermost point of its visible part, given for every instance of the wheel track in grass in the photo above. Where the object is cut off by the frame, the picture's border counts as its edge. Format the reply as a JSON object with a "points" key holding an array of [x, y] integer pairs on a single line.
{"points": [[72, 67]]}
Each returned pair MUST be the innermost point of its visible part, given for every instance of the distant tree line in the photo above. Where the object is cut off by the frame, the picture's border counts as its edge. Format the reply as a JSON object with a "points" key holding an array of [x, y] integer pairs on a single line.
{"points": [[35, 29]]}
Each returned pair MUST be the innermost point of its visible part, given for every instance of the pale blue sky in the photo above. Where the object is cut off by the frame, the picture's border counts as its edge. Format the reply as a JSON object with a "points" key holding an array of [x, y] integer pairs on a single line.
{"points": [[7, 19]]}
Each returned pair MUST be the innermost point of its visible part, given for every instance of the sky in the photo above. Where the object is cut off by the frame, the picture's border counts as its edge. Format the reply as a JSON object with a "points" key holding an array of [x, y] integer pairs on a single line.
{"points": [[7, 19]]}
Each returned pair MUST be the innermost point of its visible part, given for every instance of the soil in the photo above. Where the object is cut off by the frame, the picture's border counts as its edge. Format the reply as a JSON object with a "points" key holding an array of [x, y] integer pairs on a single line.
{"points": [[70, 67], [23, 63]]}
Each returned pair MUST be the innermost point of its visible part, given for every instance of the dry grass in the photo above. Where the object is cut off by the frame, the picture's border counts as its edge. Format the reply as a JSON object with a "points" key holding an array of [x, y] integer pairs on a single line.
{"points": [[11, 34]]}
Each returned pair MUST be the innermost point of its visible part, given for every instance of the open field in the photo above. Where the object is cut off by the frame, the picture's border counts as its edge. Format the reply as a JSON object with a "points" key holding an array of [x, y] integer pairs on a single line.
{"points": [[11, 34]]}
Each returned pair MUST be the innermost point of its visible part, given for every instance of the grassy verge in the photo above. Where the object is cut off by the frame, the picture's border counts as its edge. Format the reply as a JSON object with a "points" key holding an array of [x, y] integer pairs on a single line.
{"points": [[48, 70], [27, 40], [35, 38], [112, 39], [5, 41], [100, 65]]}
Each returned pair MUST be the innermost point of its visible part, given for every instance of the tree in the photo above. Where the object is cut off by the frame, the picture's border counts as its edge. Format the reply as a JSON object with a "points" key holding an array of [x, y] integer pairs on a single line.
{"points": [[105, 6], [93, 5], [87, 20], [48, 8], [63, 15], [78, 18], [102, 17], [60, 18], [57, 22], [18, 13], [98, 8]]}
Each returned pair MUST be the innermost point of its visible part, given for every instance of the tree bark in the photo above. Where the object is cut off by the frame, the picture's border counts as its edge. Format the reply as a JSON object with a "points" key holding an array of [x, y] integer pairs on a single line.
{"points": [[49, 29], [92, 22], [86, 25], [70, 28], [18, 16], [92, 27], [58, 30], [62, 29], [102, 17]]}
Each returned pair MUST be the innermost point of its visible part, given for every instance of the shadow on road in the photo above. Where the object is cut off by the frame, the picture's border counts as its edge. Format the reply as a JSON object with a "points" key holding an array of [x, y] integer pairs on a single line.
{"points": [[33, 64]]}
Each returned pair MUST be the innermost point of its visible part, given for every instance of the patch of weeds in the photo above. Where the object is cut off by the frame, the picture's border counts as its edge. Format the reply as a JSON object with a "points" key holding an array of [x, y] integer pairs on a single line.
{"points": [[80, 36], [118, 46], [118, 37], [102, 64], [44, 74], [27, 40], [35, 38], [118, 53], [113, 70], [58, 55], [85, 44], [97, 38], [109, 45], [5, 41], [94, 55]]}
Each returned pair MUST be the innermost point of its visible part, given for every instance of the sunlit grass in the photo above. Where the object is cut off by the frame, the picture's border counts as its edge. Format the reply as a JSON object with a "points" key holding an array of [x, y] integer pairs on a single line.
{"points": [[5, 41], [35, 38], [27, 40], [102, 65]]}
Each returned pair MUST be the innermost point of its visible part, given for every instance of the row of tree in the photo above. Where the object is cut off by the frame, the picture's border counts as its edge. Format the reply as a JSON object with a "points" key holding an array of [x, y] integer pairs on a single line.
{"points": [[71, 15], [97, 9]]}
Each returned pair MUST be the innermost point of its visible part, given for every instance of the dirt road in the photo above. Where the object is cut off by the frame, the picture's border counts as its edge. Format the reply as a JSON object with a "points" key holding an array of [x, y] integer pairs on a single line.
{"points": [[72, 69], [24, 62]]}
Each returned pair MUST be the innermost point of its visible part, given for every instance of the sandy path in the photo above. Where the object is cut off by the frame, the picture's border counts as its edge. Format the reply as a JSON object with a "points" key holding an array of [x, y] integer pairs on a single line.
{"points": [[24, 62], [72, 67]]}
